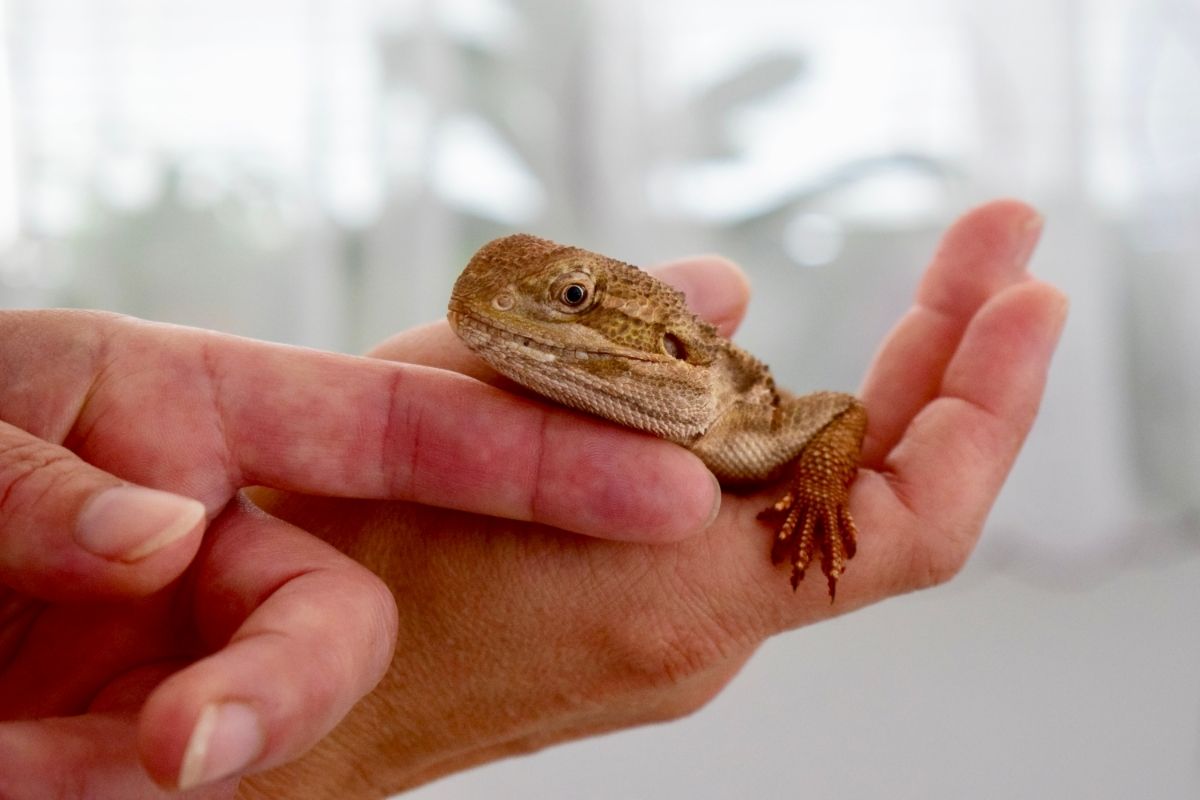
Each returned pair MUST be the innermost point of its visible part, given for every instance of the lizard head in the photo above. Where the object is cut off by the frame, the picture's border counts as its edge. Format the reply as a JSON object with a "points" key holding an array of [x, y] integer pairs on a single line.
{"points": [[588, 331]]}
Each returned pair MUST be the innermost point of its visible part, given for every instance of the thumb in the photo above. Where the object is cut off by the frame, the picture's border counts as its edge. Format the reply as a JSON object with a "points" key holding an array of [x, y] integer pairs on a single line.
{"points": [[716, 288], [69, 530]]}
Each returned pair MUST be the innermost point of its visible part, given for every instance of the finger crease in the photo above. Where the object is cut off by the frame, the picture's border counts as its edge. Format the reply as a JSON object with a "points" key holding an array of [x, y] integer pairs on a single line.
{"points": [[387, 449], [973, 406], [954, 323], [32, 466], [899, 487], [232, 468], [536, 501]]}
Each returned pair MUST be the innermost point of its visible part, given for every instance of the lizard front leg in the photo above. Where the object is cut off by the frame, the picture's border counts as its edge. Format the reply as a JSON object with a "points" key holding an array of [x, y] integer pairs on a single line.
{"points": [[814, 514]]}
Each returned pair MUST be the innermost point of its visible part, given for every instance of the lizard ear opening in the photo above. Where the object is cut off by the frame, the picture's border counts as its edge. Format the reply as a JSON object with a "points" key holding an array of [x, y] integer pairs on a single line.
{"points": [[673, 346]]}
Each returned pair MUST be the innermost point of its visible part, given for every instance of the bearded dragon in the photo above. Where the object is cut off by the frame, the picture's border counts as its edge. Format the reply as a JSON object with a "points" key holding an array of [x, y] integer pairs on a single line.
{"points": [[604, 337]]}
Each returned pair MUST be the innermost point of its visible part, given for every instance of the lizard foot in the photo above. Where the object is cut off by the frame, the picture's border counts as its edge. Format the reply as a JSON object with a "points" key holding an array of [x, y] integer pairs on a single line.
{"points": [[814, 514]]}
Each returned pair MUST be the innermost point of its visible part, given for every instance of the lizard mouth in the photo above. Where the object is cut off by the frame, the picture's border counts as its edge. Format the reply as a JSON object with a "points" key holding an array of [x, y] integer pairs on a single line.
{"points": [[488, 335]]}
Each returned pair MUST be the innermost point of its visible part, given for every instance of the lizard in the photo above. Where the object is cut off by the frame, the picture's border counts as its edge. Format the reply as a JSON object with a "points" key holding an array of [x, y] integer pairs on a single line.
{"points": [[605, 337]]}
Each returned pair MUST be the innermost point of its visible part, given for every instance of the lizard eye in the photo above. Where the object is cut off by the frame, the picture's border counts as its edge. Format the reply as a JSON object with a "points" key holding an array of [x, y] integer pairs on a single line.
{"points": [[573, 294]]}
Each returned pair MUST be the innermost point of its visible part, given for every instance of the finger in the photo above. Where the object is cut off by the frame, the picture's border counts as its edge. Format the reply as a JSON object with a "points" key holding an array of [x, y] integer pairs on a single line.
{"points": [[983, 253], [76, 758], [948, 469], [716, 289], [202, 414], [384, 430], [69, 530], [214, 413], [308, 632]]}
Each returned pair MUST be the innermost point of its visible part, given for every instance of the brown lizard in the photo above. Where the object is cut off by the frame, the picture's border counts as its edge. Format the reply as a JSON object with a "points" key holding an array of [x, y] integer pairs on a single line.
{"points": [[605, 337]]}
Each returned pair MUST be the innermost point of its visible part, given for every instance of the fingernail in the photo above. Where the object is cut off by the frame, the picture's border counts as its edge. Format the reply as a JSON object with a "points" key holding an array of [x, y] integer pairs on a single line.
{"points": [[1031, 233], [226, 739], [129, 523]]}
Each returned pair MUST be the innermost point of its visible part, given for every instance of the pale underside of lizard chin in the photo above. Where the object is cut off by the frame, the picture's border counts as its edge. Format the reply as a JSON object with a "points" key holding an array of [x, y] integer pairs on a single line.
{"points": [[647, 392]]}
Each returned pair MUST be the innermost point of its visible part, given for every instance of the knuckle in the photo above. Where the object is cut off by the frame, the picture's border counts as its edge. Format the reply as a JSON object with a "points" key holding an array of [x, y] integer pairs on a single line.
{"points": [[666, 670], [65, 338], [382, 622], [28, 471], [942, 556], [664, 654], [689, 698], [341, 675]]}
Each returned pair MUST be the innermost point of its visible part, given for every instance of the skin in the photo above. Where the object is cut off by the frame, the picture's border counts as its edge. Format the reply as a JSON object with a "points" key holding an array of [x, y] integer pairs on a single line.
{"points": [[513, 635]]}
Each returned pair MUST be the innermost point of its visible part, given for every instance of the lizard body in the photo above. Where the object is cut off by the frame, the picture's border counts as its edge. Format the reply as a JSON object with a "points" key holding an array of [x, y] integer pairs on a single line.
{"points": [[607, 338]]}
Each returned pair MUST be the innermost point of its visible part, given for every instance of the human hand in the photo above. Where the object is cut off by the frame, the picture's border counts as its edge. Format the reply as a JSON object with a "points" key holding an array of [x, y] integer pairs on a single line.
{"points": [[120, 632], [515, 636]]}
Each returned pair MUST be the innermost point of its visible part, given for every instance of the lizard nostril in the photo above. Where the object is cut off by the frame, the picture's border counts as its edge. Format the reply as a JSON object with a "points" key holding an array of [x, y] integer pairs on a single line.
{"points": [[503, 301], [674, 346]]}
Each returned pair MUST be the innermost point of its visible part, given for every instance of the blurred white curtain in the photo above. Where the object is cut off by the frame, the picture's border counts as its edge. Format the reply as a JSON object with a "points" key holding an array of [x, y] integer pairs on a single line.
{"points": [[318, 171]]}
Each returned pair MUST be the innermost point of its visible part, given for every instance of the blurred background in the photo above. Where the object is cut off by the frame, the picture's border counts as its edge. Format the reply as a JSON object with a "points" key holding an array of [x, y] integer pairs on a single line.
{"points": [[317, 172]]}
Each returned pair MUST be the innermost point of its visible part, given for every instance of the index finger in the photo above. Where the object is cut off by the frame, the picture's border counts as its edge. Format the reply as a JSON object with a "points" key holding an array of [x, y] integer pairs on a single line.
{"points": [[202, 414], [346, 426]]}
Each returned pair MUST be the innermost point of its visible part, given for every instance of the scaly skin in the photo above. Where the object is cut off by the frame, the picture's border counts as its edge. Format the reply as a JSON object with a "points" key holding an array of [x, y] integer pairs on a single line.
{"points": [[604, 337]]}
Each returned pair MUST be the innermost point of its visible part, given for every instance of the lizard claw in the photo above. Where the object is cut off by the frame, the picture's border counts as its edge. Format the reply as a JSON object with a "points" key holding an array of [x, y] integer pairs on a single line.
{"points": [[811, 519], [814, 515]]}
